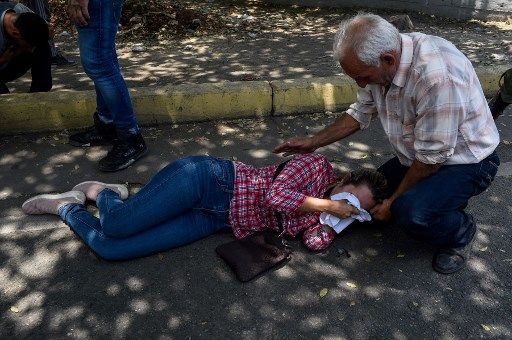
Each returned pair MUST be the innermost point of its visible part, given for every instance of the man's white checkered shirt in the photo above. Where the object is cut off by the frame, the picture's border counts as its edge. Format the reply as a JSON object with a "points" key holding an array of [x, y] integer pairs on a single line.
{"points": [[434, 110]]}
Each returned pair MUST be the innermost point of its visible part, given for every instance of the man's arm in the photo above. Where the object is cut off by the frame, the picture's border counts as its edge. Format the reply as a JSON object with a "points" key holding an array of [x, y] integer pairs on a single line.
{"points": [[343, 126], [340, 209], [417, 172]]}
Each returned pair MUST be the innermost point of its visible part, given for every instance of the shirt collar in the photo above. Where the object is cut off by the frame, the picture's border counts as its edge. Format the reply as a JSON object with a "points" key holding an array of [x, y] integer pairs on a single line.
{"points": [[405, 61]]}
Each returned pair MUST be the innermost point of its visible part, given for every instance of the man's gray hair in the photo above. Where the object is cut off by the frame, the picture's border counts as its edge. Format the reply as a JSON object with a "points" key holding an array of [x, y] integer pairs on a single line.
{"points": [[368, 36]]}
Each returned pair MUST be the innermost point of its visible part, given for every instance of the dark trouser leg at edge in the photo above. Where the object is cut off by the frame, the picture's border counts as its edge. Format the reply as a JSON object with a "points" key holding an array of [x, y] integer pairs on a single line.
{"points": [[433, 210], [503, 97]]}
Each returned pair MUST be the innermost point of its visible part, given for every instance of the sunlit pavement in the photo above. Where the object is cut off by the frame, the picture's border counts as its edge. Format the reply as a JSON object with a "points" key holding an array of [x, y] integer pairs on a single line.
{"points": [[52, 286]]}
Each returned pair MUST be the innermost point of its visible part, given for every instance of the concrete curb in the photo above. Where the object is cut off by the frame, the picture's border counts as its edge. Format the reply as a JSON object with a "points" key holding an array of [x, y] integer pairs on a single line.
{"points": [[37, 112]]}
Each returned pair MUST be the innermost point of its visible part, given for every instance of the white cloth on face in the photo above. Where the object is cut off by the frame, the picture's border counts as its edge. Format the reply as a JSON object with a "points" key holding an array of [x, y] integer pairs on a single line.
{"points": [[339, 224]]}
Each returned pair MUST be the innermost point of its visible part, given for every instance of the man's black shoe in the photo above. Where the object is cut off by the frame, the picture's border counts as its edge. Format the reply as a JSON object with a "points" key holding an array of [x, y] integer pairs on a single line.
{"points": [[60, 60], [451, 260], [126, 150], [98, 134]]}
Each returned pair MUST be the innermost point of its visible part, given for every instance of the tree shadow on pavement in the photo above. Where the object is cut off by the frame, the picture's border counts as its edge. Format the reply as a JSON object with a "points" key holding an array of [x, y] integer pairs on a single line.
{"points": [[52, 286]]}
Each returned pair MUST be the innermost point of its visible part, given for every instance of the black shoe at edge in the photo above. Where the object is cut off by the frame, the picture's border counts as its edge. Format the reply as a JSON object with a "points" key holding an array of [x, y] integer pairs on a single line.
{"points": [[124, 153]]}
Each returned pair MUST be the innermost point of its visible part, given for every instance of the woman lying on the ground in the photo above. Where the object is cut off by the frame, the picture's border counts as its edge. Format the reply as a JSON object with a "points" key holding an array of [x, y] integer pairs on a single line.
{"points": [[197, 196]]}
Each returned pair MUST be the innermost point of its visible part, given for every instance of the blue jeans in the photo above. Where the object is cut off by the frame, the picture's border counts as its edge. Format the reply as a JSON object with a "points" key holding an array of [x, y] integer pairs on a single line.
{"points": [[99, 59], [433, 209], [187, 200]]}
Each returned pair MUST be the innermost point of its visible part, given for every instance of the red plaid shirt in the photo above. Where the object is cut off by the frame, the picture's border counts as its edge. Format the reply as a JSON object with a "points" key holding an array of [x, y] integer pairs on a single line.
{"points": [[256, 196]]}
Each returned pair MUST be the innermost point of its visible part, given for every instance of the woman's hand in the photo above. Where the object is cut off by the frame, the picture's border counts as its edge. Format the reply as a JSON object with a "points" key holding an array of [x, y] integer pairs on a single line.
{"points": [[342, 209]]}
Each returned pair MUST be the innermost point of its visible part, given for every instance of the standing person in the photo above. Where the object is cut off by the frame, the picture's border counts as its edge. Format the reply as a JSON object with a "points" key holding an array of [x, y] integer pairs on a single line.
{"points": [[114, 119], [42, 8], [23, 47], [503, 97], [434, 113], [197, 196]]}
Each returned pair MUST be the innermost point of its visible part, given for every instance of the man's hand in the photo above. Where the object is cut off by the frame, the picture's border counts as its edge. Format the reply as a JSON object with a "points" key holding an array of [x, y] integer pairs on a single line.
{"points": [[295, 145], [9, 54], [416, 173], [382, 211], [344, 126], [51, 30], [79, 12]]}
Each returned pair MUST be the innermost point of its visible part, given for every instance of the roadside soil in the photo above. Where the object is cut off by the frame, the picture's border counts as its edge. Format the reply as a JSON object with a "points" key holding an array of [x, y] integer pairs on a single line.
{"points": [[249, 40]]}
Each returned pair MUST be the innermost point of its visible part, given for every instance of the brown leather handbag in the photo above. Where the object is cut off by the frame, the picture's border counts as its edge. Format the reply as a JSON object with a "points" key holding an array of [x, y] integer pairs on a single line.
{"points": [[258, 252], [254, 254]]}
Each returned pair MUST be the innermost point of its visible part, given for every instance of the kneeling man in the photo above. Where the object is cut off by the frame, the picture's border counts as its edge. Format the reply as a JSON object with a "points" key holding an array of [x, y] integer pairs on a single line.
{"points": [[433, 110]]}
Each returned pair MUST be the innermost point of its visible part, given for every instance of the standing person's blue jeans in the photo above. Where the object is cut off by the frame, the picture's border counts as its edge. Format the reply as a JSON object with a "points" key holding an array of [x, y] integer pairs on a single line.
{"points": [[99, 59], [433, 209], [186, 201]]}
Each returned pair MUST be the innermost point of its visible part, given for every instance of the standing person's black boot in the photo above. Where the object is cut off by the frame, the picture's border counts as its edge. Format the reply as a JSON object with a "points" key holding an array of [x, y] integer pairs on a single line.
{"points": [[127, 149], [98, 134]]}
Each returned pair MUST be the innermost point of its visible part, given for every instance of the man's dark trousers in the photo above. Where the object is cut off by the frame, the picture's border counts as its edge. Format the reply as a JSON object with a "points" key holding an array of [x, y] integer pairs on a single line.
{"points": [[433, 209]]}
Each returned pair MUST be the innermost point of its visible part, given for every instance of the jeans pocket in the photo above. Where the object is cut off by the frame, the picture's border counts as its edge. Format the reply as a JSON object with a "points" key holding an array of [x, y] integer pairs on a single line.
{"points": [[220, 171]]}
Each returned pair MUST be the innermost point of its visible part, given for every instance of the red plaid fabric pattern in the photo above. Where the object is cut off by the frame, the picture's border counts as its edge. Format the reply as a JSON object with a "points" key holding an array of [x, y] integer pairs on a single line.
{"points": [[318, 237], [256, 196]]}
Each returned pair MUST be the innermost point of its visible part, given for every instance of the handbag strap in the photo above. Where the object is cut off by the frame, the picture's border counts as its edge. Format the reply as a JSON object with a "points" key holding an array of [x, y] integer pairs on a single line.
{"points": [[277, 214]]}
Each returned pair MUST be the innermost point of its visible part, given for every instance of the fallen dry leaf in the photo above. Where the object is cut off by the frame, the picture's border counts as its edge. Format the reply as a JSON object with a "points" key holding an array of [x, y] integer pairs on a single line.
{"points": [[351, 285], [485, 327]]}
